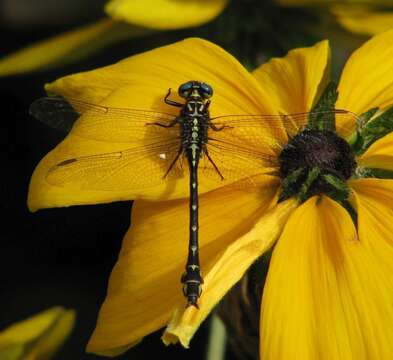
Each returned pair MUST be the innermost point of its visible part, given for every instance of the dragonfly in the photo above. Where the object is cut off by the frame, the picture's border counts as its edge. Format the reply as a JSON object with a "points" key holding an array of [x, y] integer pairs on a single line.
{"points": [[231, 149]]}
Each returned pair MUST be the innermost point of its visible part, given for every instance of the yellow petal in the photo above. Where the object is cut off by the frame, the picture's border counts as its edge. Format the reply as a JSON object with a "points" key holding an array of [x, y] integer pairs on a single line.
{"points": [[39, 336], [327, 296], [43, 194], [295, 81], [144, 288], [230, 265], [367, 79], [379, 154], [372, 199], [67, 47], [165, 14], [141, 82], [363, 19], [149, 75]]}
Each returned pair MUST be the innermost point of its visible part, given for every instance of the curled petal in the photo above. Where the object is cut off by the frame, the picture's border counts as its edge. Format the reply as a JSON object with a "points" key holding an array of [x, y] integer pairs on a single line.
{"points": [[230, 265], [165, 14], [327, 296], [144, 288]]}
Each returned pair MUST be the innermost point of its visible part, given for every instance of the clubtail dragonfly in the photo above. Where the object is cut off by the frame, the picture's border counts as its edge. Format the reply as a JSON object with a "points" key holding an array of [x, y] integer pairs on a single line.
{"points": [[232, 149]]}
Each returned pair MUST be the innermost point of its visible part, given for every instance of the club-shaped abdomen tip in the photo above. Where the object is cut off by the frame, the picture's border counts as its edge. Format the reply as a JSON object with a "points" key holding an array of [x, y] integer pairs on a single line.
{"points": [[192, 289], [192, 300]]}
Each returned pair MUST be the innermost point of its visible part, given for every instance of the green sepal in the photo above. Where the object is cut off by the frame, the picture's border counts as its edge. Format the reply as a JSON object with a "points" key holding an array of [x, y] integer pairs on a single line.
{"points": [[374, 130], [312, 175], [374, 173], [355, 141], [366, 116], [290, 184], [341, 189], [321, 117]]}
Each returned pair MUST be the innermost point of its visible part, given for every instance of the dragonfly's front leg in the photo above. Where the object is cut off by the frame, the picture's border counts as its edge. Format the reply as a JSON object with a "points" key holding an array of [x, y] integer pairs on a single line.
{"points": [[171, 102], [175, 121]]}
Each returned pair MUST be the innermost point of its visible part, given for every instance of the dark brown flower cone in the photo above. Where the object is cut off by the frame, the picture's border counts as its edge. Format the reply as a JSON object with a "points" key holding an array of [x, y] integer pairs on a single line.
{"points": [[240, 311]]}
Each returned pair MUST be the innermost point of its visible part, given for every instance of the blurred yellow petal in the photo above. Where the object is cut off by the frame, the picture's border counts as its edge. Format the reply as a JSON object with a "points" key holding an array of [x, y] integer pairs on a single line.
{"points": [[294, 82], [38, 337], [362, 19], [141, 82], [367, 79], [67, 47], [333, 2], [230, 265], [165, 14], [379, 154], [326, 296], [144, 287]]}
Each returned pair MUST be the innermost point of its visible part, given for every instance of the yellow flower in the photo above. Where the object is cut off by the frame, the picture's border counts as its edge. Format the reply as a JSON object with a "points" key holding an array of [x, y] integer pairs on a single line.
{"points": [[127, 19], [363, 19], [38, 337], [328, 293], [358, 16]]}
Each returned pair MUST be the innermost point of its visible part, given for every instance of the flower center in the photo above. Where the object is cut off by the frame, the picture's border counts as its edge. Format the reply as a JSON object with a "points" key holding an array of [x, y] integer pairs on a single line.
{"points": [[315, 162]]}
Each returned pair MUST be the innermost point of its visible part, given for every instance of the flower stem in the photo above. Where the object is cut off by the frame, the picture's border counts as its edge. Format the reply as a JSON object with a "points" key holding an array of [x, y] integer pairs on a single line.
{"points": [[217, 339]]}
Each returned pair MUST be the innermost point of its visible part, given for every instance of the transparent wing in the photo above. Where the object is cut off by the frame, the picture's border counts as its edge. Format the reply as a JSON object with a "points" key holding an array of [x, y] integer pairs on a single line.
{"points": [[239, 146], [138, 167], [54, 112], [246, 146], [231, 164], [264, 130], [103, 123]]}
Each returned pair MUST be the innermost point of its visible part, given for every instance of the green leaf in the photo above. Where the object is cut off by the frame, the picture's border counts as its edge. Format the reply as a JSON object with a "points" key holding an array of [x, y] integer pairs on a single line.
{"points": [[376, 173], [366, 116], [312, 175], [321, 117], [375, 129], [290, 185], [356, 141]]}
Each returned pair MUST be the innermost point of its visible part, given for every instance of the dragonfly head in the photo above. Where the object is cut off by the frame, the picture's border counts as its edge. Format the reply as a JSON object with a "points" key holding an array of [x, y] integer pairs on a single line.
{"points": [[196, 90]]}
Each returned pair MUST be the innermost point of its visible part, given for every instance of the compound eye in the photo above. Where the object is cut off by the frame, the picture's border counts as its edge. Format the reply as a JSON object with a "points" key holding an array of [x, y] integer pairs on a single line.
{"points": [[207, 90], [185, 89]]}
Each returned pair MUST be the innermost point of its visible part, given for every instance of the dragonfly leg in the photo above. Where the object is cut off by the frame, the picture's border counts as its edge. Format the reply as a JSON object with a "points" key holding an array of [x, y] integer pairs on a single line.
{"points": [[171, 102], [219, 128], [174, 161], [214, 165], [171, 124]]}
